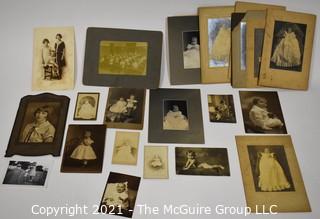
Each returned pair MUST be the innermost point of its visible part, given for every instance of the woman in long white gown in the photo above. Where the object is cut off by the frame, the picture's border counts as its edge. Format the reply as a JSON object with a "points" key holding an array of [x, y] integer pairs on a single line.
{"points": [[272, 177], [287, 52]]}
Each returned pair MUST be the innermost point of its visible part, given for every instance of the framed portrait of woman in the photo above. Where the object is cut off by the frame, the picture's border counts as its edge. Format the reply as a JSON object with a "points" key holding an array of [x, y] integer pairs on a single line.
{"points": [[39, 125], [287, 49], [271, 174]]}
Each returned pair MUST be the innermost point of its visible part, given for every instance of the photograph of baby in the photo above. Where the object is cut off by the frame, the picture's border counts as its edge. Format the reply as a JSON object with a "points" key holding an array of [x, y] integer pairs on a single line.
{"points": [[191, 49], [202, 161], [175, 115], [86, 106], [262, 112], [39, 122], [125, 150], [288, 46], [124, 107], [120, 195], [123, 58], [219, 45], [84, 149], [26, 173], [156, 162], [221, 108], [270, 168]]}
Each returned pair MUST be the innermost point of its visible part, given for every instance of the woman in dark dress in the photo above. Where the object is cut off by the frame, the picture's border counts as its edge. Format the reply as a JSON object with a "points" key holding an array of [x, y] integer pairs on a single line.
{"points": [[60, 54]]}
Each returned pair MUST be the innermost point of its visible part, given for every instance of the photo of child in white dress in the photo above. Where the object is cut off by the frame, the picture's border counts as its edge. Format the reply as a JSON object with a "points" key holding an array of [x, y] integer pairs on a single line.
{"points": [[191, 53], [155, 162], [288, 46], [87, 106], [176, 115], [126, 148], [270, 168]]}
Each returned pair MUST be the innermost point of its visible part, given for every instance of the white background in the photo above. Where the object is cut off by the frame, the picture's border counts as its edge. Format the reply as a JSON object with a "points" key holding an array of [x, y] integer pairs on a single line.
{"points": [[17, 20]]}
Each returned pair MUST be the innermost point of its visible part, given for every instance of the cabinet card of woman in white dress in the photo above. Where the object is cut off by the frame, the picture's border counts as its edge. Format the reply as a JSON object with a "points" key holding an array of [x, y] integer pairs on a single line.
{"points": [[288, 46], [270, 169]]}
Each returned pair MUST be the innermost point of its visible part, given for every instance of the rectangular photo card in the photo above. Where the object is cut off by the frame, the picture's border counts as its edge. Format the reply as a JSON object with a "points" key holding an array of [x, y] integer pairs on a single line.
{"points": [[156, 162], [221, 108], [86, 106]]}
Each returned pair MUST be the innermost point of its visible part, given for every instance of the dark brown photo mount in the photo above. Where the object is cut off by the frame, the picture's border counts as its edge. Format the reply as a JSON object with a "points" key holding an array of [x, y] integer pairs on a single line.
{"points": [[70, 144], [91, 74], [75, 108], [122, 125], [37, 149], [176, 26], [157, 134]]}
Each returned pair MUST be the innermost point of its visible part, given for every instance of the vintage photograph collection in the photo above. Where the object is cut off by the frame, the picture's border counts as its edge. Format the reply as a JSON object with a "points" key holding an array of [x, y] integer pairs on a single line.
{"points": [[248, 45]]}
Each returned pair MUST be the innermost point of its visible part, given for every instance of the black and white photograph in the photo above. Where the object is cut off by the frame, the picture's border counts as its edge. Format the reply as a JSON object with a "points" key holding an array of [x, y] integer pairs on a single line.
{"points": [[175, 115], [120, 195], [53, 66], [123, 58], [258, 44], [288, 46], [219, 36], [125, 108], [39, 125], [84, 149], [86, 106], [191, 49], [270, 168], [28, 173], [202, 161], [221, 108], [262, 112], [156, 162]]}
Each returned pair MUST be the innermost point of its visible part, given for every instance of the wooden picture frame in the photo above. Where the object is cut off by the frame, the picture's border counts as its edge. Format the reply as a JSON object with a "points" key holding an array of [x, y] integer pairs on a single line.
{"points": [[119, 115], [292, 70], [287, 194], [176, 116], [217, 69], [86, 107], [84, 149], [184, 50], [122, 58], [39, 125]]}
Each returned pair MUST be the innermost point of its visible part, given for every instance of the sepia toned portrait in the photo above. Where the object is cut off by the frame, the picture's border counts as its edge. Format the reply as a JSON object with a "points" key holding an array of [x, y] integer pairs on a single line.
{"points": [[28, 173], [156, 162], [53, 64], [288, 46], [221, 108], [270, 168], [125, 108], [175, 115], [86, 106], [120, 194], [191, 49], [123, 58], [84, 149], [40, 122], [202, 161], [262, 112], [219, 41], [125, 150]]}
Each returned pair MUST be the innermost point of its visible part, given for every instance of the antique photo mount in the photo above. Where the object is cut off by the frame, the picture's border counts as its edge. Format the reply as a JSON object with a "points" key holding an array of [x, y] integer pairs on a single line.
{"points": [[156, 132], [222, 112], [203, 161], [129, 186], [121, 92], [89, 94], [95, 35], [297, 196], [210, 75], [156, 165], [78, 157], [296, 74], [16, 147], [176, 27], [249, 101]]}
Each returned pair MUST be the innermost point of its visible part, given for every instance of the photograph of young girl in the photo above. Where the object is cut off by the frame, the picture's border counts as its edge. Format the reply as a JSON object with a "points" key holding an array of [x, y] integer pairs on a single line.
{"points": [[270, 169], [86, 106], [125, 108], [84, 149], [202, 161]]}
